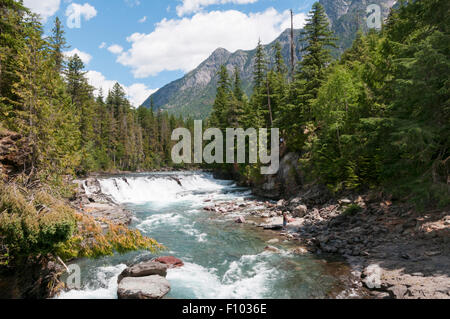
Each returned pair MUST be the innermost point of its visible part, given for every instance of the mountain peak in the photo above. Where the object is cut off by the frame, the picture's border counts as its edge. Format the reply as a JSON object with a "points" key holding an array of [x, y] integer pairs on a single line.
{"points": [[220, 51]]}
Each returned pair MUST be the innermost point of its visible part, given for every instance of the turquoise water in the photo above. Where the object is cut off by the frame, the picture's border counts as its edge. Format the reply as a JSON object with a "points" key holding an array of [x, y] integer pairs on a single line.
{"points": [[222, 259]]}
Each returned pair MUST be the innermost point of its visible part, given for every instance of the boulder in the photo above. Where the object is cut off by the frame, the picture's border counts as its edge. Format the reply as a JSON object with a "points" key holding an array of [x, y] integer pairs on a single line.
{"points": [[110, 212], [285, 183], [300, 211], [170, 261], [92, 185], [144, 269], [273, 241], [272, 227], [240, 220], [398, 291], [372, 276], [299, 251], [272, 249], [345, 201], [150, 287], [281, 203]]}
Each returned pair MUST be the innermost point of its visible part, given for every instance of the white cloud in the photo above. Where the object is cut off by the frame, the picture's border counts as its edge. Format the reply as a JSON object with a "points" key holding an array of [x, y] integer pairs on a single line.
{"points": [[191, 6], [182, 44], [45, 8], [85, 57], [102, 45], [136, 93], [115, 49], [75, 12], [98, 80], [143, 19]]}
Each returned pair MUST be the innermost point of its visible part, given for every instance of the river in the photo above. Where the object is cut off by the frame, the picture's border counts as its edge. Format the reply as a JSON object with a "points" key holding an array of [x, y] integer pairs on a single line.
{"points": [[222, 259]]}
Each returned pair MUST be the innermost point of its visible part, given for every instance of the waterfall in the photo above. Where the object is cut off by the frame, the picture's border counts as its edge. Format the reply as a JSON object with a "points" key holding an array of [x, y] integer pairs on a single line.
{"points": [[163, 188]]}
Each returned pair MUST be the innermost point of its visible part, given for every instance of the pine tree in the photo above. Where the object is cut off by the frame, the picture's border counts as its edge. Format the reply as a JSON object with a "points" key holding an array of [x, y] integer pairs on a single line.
{"points": [[12, 40], [152, 104], [58, 44], [237, 85], [81, 94], [75, 77], [236, 108], [317, 56], [221, 108], [280, 66], [31, 106], [260, 66]]}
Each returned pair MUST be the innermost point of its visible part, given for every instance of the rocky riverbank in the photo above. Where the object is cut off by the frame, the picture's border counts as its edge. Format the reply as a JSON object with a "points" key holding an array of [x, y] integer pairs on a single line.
{"points": [[393, 250], [91, 201]]}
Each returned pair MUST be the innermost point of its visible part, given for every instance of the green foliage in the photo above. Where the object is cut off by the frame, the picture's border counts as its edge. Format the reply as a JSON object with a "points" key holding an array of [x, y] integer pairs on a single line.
{"points": [[317, 56], [32, 224], [379, 117], [92, 241], [36, 223]]}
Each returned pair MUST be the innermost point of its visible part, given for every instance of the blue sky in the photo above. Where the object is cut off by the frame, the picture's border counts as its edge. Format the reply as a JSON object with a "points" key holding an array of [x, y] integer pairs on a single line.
{"points": [[145, 44]]}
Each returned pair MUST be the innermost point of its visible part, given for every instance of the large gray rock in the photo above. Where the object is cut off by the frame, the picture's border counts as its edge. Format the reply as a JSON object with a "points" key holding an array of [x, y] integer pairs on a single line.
{"points": [[372, 276], [150, 287], [300, 211], [92, 186], [285, 183], [147, 268]]}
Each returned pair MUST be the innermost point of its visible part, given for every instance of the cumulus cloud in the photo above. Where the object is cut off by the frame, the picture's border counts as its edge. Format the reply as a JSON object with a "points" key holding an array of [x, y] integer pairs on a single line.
{"points": [[102, 45], [182, 44], [143, 19], [192, 6], [75, 12], [85, 57], [136, 93], [115, 49], [45, 8]]}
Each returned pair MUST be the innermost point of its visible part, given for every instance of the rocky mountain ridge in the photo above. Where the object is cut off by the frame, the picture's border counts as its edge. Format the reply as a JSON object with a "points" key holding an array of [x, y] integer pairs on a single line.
{"points": [[193, 94]]}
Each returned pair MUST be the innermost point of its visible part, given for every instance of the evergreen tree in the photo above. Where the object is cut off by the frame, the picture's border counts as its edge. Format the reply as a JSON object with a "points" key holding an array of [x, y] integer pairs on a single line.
{"points": [[317, 56], [237, 85], [280, 66], [237, 102], [260, 66], [221, 108], [12, 40], [152, 104], [58, 44]]}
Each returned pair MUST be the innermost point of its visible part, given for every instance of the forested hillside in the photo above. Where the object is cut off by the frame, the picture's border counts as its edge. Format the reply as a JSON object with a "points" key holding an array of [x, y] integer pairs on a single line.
{"points": [[378, 117], [52, 128], [49, 101]]}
